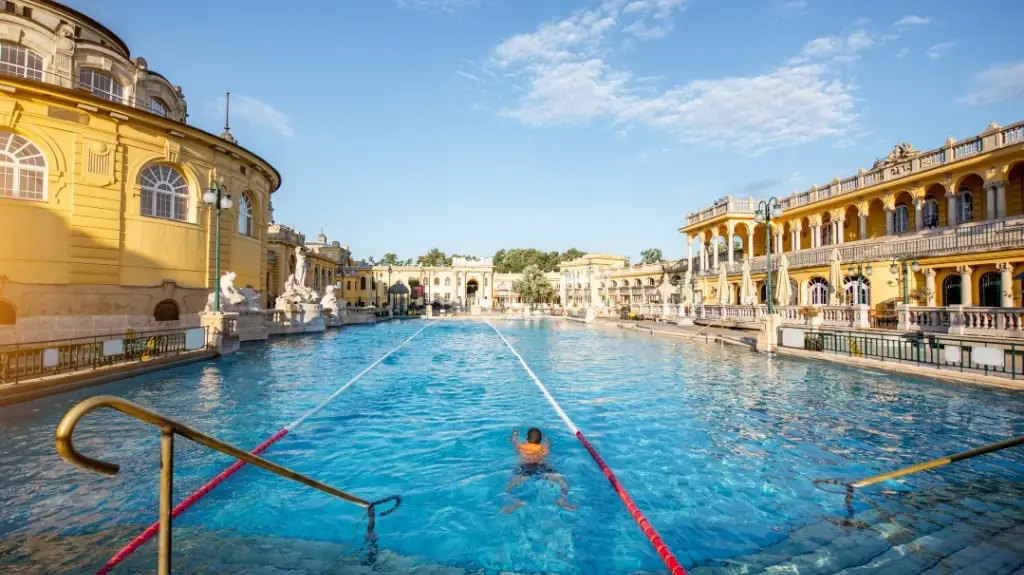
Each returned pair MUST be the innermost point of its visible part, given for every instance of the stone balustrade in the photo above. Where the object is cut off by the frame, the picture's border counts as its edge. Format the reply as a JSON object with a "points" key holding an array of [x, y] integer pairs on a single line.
{"points": [[952, 151], [963, 320], [855, 316]]}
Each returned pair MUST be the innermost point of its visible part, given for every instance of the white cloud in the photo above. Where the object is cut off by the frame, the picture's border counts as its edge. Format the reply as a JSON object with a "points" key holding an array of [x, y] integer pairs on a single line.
{"points": [[938, 50], [997, 83], [569, 82], [911, 21], [447, 6], [469, 76], [902, 53], [259, 114]]}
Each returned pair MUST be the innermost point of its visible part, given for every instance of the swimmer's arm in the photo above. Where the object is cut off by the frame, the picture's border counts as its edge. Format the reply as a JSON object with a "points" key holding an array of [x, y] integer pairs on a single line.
{"points": [[515, 438]]}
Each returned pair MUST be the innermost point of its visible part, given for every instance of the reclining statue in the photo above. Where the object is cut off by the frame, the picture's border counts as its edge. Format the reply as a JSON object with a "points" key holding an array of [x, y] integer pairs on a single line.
{"points": [[230, 298]]}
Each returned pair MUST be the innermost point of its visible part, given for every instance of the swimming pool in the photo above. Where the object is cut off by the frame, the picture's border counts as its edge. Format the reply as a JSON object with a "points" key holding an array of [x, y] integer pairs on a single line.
{"points": [[718, 447]]}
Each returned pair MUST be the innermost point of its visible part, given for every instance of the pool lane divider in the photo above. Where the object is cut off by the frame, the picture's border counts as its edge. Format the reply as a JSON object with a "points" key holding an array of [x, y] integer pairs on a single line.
{"points": [[674, 567], [189, 501]]}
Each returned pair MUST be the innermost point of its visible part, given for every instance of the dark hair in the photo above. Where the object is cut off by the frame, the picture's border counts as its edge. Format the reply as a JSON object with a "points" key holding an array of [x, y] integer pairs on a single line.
{"points": [[533, 435]]}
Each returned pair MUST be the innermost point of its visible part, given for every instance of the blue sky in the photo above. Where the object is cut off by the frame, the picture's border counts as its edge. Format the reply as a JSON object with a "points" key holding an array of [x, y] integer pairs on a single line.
{"points": [[472, 125]]}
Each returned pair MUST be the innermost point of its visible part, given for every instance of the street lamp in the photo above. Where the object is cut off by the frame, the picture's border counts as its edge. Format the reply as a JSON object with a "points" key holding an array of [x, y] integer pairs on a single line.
{"points": [[215, 197], [861, 270], [902, 262], [766, 210], [390, 306]]}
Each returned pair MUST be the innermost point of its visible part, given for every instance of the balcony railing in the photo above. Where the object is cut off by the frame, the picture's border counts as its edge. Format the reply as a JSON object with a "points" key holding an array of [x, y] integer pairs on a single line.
{"points": [[965, 238], [952, 152]]}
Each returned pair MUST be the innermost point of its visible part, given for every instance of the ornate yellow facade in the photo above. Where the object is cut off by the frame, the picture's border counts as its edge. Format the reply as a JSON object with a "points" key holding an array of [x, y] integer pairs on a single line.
{"points": [[101, 186], [957, 210]]}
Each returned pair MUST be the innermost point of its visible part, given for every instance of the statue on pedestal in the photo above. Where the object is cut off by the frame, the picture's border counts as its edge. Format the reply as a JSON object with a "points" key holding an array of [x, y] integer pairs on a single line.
{"points": [[252, 299], [230, 298], [329, 301], [295, 290]]}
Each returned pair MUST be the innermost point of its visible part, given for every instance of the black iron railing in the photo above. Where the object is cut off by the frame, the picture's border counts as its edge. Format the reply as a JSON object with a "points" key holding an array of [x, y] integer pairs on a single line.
{"points": [[24, 361]]}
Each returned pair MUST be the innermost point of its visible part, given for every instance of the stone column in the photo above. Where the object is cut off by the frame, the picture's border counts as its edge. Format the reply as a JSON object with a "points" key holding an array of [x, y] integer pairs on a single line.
{"points": [[1006, 283], [714, 250], [794, 239], [689, 252], [730, 245], [839, 231], [889, 220], [929, 286], [1000, 188], [703, 257], [966, 299], [950, 208], [750, 242], [918, 215], [863, 226], [990, 201], [814, 236]]}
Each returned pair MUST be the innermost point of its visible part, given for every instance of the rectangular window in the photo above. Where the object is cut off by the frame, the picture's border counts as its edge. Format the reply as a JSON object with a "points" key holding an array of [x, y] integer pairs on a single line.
{"points": [[9, 7], [348, 284], [26, 12]]}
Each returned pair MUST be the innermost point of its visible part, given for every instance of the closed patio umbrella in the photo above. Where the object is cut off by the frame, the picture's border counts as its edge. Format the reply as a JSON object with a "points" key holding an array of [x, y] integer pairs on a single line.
{"points": [[783, 293], [724, 295], [687, 296], [835, 278], [747, 295]]}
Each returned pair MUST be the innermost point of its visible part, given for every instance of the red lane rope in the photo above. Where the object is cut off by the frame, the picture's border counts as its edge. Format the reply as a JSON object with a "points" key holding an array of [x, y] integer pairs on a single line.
{"points": [[178, 509], [659, 545], [153, 529], [649, 531]]}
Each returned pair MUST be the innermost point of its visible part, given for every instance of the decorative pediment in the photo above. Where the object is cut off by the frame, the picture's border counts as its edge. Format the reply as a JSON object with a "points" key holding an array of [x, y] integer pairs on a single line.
{"points": [[900, 154]]}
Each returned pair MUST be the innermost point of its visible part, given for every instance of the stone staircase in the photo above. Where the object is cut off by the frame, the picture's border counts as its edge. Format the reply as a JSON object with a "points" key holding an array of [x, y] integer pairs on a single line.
{"points": [[975, 530]]}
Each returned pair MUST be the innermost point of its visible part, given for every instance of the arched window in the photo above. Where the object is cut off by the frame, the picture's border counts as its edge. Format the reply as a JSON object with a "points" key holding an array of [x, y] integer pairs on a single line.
{"points": [[676, 279], [826, 233], [166, 310], [899, 219], [437, 281], [964, 205], [817, 291], [7, 314], [991, 292], [22, 168], [19, 61], [245, 215], [447, 281], [164, 193], [792, 293], [650, 281], [157, 106], [362, 282], [614, 284], [951, 291], [850, 290], [637, 283], [931, 213], [101, 84]]}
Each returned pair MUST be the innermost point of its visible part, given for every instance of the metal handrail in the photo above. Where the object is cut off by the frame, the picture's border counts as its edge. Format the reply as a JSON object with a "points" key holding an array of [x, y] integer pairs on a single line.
{"points": [[169, 427], [917, 468]]}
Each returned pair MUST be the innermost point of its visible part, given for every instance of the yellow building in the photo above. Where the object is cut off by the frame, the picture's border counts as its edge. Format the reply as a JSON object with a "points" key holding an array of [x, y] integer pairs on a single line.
{"points": [[101, 195], [953, 214]]}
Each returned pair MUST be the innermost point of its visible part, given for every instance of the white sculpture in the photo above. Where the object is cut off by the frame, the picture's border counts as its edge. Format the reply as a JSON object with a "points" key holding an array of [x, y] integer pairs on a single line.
{"points": [[295, 292], [252, 299], [230, 298], [329, 301], [300, 266]]}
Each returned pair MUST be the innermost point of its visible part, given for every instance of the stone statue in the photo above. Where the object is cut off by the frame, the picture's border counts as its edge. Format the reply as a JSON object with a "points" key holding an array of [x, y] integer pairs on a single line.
{"points": [[300, 266], [329, 301], [252, 299], [296, 292], [230, 298], [901, 152]]}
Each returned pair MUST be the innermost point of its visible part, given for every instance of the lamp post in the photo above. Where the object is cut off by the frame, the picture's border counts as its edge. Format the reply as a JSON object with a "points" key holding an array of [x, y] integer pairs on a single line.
{"points": [[216, 198], [766, 210], [390, 306], [861, 269], [372, 286], [903, 263]]}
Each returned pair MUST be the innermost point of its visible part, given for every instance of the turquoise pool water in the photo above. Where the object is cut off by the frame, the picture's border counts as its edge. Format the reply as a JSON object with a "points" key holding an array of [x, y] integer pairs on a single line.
{"points": [[717, 446]]}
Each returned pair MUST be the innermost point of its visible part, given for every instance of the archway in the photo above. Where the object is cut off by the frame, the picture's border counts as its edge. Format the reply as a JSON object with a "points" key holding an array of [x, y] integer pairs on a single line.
{"points": [[472, 288], [876, 218], [166, 310], [990, 292], [1015, 190], [7, 314], [904, 218], [972, 199], [936, 194], [851, 224]]}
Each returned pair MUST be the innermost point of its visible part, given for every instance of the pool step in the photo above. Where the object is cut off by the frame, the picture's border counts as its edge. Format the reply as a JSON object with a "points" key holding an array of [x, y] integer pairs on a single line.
{"points": [[937, 532]]}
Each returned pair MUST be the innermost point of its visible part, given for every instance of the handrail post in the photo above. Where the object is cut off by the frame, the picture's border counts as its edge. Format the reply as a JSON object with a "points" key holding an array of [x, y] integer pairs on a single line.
{"points": [[166, 498]]}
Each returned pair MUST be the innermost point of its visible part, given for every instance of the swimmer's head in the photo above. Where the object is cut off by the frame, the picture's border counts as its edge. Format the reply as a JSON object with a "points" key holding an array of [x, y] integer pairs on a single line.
{"points": [[533, 435]]}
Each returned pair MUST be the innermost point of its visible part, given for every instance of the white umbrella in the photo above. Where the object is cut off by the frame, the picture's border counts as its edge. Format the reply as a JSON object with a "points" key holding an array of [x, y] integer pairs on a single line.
{"points": [[724, 295], [834, 277], [782, 292], [747, 292]]}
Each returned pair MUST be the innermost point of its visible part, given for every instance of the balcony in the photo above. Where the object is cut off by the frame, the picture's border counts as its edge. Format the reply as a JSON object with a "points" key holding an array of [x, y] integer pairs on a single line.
{"points": [[902, 163]]}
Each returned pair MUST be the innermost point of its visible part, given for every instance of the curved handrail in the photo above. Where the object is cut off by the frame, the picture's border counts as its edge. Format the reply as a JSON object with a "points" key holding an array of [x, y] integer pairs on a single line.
{"points": [[66, 448]]}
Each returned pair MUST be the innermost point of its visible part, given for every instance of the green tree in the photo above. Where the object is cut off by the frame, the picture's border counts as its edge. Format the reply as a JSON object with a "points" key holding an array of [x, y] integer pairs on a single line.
{"points": [[434, 258], [651, 256], [533, 287], [571, 254], [390, 259]]}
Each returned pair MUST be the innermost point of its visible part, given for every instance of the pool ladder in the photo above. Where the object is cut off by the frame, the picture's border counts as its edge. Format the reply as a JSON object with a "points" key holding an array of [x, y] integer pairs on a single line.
{"points": [[168, 429]]}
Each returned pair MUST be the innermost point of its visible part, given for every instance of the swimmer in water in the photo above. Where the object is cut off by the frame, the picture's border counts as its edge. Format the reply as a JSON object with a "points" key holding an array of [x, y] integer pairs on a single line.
{"points": [[531, 464]]}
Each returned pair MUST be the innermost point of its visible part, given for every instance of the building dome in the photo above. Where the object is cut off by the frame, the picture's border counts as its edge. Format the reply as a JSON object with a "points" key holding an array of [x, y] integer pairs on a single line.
{"points": [[398, 289]]}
